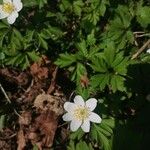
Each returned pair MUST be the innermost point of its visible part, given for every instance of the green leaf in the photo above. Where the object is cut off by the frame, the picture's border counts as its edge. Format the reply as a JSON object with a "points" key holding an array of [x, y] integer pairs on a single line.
{"points": [[121, 68], [109, 53], [143, 16], [91, 39], [117, 83], [105, 141], [99, 65], [42, 3], [42, 42], [77, 135], [29, 3], [100, 80], [71, 145], [2, 121], [77, 6], [82, 145], [3, 26], [33, 56], [2, 56], [82, 48], [35, 147], [65, 60]]}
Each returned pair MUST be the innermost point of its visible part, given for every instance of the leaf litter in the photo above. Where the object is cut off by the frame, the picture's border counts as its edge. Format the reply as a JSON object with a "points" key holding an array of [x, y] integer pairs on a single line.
{"points": [[39, 101]]}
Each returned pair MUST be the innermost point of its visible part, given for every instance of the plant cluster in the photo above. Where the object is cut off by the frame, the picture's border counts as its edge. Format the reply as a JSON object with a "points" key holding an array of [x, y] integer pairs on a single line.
{"points": [[101, 44]]}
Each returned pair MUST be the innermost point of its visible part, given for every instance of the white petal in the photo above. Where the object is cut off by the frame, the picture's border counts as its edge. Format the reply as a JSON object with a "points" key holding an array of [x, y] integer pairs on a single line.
{"points": [[7, 1], [18, 5], [148, 51], [75, 124], [67, 117], [12, 18], [69, 106], [91, 103], [86, 126], [2, 13], [79, 100], [95, 118]]}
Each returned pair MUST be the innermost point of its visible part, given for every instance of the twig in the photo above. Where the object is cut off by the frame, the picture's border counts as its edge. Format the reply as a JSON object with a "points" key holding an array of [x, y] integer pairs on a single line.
{"points": [[138, 32], [8, 100], [140, 50], [6, 96], [62, 125], [142, 35], [9, 137], [53, 82]]}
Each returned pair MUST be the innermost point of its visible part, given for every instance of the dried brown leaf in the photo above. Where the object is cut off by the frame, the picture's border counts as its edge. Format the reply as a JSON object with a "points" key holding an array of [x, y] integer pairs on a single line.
{"points": [[46, 102], [47, 124], [39, 71], [21, 140], [25, 118]]}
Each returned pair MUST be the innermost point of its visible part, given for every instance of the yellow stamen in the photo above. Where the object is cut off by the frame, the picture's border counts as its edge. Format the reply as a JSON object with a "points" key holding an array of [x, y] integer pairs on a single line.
{"points": [[81, 113], [8, 8]]}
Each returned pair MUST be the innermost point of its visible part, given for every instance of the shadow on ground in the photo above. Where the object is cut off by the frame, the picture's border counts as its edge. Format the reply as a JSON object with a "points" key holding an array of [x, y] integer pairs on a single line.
{"points": [[134, 133]]}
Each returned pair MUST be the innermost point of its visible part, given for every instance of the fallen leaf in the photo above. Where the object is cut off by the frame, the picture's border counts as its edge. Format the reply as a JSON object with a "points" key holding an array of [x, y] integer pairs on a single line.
{"points": [[39, 71], [21, 140], [46, 123], [25, 118], [46, 102], [84, 81]]}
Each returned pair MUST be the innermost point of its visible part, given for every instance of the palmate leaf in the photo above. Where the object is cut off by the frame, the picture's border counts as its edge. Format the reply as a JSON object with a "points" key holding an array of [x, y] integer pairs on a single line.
{"points": [[109, 53], [77, 7], [82, 48], [65, 60], [65, 4], [77, 135], [91, 39], [29, 3], [98, 10], [119, 28], [99, 65], [102, 133], [79, 145], [143, 15], [79, 71], [117, 83], [100, 80], [84, 145], [111, 69], [42, 42], [41, 3], [52, 33]]}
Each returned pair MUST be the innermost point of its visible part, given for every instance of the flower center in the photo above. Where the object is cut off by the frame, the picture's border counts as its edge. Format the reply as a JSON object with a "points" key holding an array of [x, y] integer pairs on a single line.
{"points": [[8, 8], [81, 113]]}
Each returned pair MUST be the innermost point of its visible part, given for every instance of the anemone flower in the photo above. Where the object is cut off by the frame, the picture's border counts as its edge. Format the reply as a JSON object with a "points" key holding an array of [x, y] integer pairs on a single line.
{"points": [[80, 113], [9, 9]]}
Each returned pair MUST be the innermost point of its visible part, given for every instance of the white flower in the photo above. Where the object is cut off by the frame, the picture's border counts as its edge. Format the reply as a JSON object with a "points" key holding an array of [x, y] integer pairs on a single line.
{"points": [[9, 9], [80, 113], [148, 51]]}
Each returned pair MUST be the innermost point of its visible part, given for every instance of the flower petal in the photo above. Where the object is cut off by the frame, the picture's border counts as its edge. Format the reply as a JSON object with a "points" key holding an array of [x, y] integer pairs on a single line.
{"points": [[91, 103], [95, 118], [18, 5], [67, 117], [86, 126], [79, 100], [75, 124], [2, 13], [12, 18], [7, 1], [148, 51], [69, 106]]}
